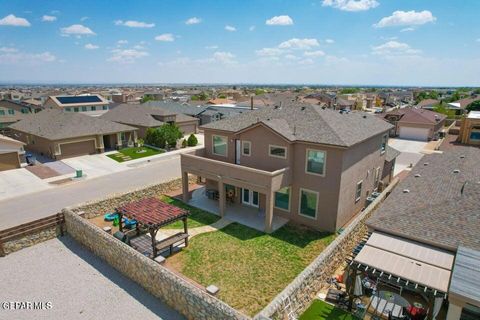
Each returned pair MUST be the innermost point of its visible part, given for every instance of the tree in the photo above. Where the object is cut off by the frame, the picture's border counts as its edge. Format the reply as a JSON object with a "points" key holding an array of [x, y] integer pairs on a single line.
{"points": [[192, 140], [146, 99], [441, 108], [170, 134], [474, 106], [154, 138], [349, 90]]}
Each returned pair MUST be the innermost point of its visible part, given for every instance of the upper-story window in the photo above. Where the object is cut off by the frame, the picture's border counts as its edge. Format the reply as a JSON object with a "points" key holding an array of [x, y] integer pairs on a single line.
{"points": [[105, 107], [75, 109], [11, 111], [219, 146], [94, 108], [24, 110], [2, 112], [315, 162], [68, 109], [383, 147], [246, 148], [277, 151], [358, 191], [84, 109]]}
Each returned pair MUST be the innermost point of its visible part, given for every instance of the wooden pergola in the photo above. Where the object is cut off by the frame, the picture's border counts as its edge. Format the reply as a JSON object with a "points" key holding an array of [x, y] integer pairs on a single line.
{"points": [[152, 214]]}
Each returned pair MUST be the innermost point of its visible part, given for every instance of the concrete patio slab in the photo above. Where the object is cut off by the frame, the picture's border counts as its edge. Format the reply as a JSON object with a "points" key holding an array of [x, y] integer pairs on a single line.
{"points": [[60, 167]]}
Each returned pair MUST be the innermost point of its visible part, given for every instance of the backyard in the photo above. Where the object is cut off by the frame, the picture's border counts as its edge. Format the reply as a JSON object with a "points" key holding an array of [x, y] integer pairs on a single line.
{"points": [[127, 154], [250, 267], [320, 310], [197, 217]]}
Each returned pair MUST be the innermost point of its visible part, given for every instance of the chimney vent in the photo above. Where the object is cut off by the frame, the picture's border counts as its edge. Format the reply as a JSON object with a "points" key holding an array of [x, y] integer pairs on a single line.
{"points": [[417, 176], [456, 171], [406, 191]]}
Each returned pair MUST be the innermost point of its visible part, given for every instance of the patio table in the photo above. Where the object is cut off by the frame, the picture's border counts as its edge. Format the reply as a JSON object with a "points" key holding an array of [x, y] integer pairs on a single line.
{"points": [[394, 298]]}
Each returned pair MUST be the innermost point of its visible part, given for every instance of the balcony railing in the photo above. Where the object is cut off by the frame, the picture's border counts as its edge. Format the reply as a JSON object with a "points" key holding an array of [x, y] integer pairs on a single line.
{"points": [[235, 174]]}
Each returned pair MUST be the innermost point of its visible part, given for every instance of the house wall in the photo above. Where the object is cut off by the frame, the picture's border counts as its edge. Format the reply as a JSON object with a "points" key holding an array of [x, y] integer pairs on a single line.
{"points": [[359, 163], [466, 128], [188, 127]]}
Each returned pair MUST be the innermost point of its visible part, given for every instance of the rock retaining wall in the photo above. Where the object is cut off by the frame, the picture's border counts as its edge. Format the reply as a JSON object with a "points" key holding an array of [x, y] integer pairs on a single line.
{"points": [[31, 239], [189, 300], [298, 295]]}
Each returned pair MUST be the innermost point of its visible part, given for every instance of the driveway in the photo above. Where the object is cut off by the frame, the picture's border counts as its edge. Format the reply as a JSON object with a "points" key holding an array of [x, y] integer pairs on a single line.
{"points": [[15, 182], [410, 153], [78, 284], [95, 165]]}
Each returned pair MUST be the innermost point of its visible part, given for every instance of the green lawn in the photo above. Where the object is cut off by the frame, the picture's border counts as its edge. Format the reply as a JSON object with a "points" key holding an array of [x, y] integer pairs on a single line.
{"points": [[127, 154], [197, 217], [250, 267], [320, 310]]}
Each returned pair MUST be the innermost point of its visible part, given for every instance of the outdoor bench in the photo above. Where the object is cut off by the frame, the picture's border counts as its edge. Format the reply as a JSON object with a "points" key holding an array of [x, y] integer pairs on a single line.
{"points": [[170, 241]]}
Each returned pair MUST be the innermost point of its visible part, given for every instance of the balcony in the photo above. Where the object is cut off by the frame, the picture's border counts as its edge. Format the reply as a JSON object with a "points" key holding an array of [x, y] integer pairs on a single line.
{"points": [[241, 176]]}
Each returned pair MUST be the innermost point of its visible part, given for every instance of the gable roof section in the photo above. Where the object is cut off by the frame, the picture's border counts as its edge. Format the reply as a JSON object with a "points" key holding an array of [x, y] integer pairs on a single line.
{"points": [[427, 102], [309, 123], [414, 115], [176, 107], [55, 124]]}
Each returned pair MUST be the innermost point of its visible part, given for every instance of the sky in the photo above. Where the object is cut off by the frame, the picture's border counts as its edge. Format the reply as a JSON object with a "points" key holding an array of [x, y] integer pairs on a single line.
{"points": [[324, 42]]}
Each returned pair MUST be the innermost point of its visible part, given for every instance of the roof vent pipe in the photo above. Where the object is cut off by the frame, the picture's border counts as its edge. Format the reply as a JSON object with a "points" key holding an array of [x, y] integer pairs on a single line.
{"points": [[251, 102], [406, 191], [456, 171]]}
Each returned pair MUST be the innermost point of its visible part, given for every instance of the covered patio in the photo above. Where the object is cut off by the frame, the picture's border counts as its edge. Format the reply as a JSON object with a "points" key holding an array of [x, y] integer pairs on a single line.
{"points": [[150, 214], [389, 269], [249, 216]]}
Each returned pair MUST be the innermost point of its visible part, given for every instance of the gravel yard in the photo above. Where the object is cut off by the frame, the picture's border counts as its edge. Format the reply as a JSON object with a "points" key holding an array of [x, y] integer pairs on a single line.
{"points": [[78, 284]]}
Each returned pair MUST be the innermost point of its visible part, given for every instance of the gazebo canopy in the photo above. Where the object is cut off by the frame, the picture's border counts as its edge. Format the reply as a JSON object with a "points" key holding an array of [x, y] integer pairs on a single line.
{"points": [[152, 213]]}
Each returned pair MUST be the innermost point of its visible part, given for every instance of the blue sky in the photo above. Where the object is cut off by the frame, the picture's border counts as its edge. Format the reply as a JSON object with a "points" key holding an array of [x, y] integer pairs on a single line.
{"points": [[376, 42]]}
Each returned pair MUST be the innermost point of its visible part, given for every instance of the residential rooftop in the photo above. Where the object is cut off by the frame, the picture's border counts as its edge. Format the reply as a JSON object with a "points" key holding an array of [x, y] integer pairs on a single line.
{"points": [[438, 203], [309, 123]]}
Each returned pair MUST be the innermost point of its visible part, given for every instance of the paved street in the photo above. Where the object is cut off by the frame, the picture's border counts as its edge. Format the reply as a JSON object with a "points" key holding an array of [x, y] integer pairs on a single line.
{"points": [[40, 204]]}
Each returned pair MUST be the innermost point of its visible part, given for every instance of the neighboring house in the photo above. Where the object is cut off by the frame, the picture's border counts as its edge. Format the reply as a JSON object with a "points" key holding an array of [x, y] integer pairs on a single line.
{"points": [[416, 124], [470, 129], [93, 105], [143, 117], [155, 95], [303, 163], [34, 104], [221, 102], [425, 237], [11, 112], [461, 105], [12, 154], [326, 98], [58, 134], [427, 104]]}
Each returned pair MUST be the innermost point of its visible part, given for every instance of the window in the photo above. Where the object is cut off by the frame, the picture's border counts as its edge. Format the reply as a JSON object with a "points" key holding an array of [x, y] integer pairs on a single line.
{"points": [[315, 162], [282, 199], [11, 111], [277, 151], [24, 110], [475, 135], [105, 108], [75, 109], [384, 144], [308, 203], [68, 109], [246, 148], [94, 108], [358, 191], [219, 145], [84, 109], [2, 112]]}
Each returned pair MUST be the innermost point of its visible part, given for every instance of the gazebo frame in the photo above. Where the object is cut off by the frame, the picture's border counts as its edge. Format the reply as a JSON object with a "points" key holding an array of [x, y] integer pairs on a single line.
{"points": [[152, 214]]}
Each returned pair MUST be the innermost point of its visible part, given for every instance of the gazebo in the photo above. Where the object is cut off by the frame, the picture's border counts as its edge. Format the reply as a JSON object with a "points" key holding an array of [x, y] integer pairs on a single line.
{"points": [[152, 214]]}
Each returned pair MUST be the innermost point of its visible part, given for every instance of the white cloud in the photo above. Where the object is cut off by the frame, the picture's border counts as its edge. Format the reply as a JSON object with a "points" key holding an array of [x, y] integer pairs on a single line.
{"points": [[269, 52], [166, 37], [329, 41], [47, 18], [90, 46], [76, 29], [394, 48], [279, 21], [251, 28], [214, 47], [8, 49], [230, 28], [318, 53], [26, 58], [126, 56], [351, 5], [224, 57], [134, 24], [306, 61], [84, 18], [193, 20], [406, 18], [120, 42], [296, 43], [138, 47], [291, 57], [12, 20], [407, 29]]}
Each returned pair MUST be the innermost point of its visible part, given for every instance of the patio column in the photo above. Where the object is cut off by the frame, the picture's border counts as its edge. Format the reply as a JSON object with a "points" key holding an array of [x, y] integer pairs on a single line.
{"points": [[221, 198], [185, 193], [269, 212], [454, 311]]}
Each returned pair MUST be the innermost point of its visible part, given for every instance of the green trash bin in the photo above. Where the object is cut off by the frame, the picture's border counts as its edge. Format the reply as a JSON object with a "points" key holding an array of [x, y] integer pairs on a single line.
{"points": [[79, 174]]}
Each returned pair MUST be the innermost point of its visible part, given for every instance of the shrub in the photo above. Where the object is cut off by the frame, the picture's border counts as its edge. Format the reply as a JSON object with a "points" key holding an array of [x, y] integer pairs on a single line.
{"points": [[184, 143], [192, 140]]}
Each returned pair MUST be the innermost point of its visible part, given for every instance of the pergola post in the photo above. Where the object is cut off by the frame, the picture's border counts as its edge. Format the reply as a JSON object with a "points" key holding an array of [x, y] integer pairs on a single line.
{"points": [[185, 193], [120, 217], [221, 198], [269, 212], [185, 229], [153, 234]]}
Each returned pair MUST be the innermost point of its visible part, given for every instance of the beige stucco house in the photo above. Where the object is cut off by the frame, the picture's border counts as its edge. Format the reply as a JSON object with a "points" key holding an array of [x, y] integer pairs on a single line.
{"points": [[470, 129], [304, 163], [12, 154], [416, 124], [58, 134], [92, 104]]}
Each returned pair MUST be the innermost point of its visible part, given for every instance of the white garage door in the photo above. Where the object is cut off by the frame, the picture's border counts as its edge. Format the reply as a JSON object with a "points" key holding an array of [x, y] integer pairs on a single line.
{"points": [[412, 133]]}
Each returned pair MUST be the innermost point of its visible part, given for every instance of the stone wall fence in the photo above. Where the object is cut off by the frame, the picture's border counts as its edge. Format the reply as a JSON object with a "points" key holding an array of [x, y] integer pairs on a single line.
{"points": [[178, 293], [298, 295]]}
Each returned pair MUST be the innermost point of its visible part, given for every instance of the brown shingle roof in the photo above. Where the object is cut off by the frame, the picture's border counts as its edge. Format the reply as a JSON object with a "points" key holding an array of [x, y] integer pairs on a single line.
{"points": [[414, 115]]}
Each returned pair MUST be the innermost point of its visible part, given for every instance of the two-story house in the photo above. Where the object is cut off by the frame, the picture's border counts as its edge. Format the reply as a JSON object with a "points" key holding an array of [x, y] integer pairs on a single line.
{"points": [[92, 105], [11, 112], [303, 163]]}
